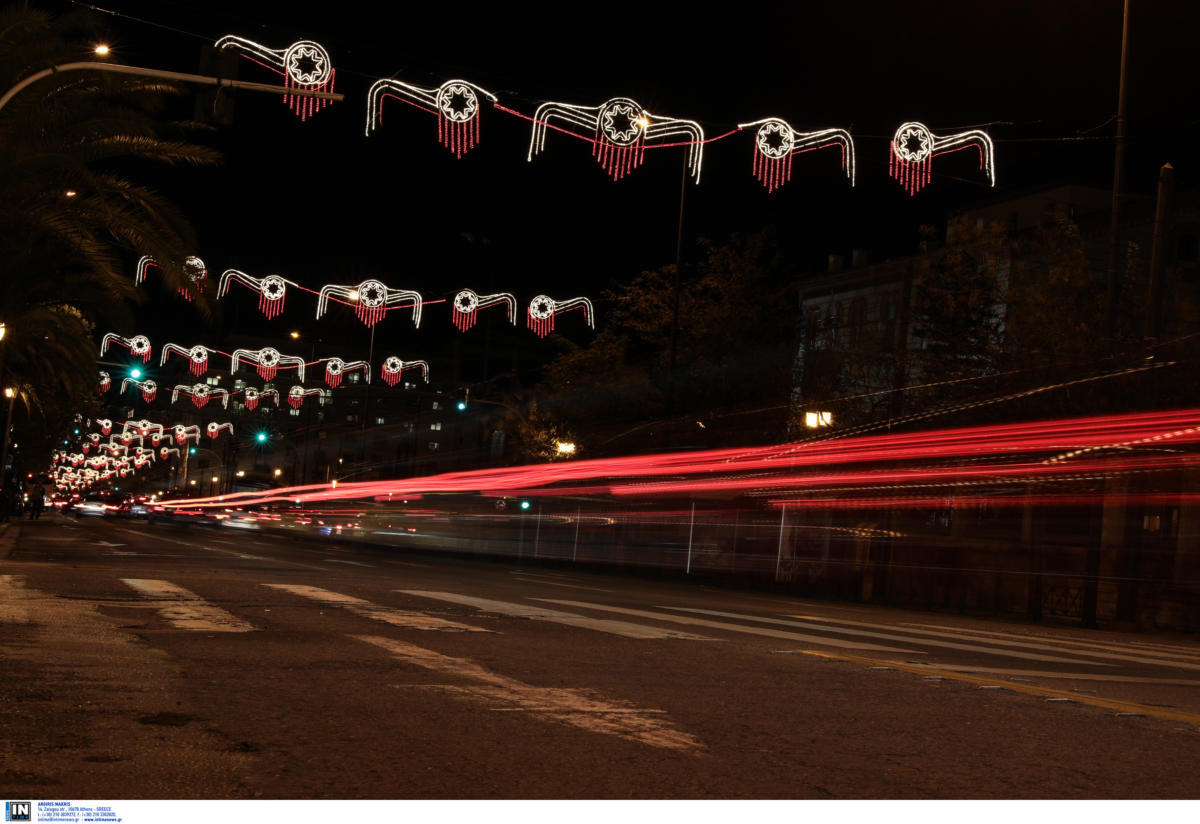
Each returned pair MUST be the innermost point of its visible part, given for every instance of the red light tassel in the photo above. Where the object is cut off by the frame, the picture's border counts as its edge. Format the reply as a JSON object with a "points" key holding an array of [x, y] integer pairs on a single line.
{"points": [[199, 400], [334, 380], [199, 367], [266, 372], [148, 396]]}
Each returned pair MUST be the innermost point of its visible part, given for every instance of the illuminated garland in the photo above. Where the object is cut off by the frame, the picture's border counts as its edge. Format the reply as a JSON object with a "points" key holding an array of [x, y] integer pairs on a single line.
{"points": [[467, 303], [105, 381], [542, 309], [913, 148], [775, 142], [304, 65], [267, 361], [371, 300], [253, 396], [620, 129], [193, 268], [201, 393], [393, 367], [165, 452], [138, 345], [185, 433], [149, 388], [271, 289], [196, 355], [297, 394], [455, 102], [335, 367], [105, 425], [214, 429]]}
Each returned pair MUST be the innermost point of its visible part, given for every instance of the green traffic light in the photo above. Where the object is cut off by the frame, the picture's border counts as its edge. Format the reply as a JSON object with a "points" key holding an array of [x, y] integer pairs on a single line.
{"points": [[462, 405], [192, 450], [135, 373], [524, 504], [261, 437]]}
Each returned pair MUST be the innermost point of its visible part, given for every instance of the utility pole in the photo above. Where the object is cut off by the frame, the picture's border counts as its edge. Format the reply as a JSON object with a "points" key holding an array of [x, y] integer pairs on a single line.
{"points": [[1114, 251]]}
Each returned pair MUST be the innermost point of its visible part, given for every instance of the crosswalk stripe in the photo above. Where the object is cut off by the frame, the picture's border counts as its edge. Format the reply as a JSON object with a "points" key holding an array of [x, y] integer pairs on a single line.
{"points": [[185, 609], [888, 636], [623, 628], [576, 707], [389, 615], [702, 622], [1142, 646]]}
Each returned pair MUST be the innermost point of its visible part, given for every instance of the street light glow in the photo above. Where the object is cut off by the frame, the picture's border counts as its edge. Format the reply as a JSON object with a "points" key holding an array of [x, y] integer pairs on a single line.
{"points": [[566, 448], [102, 50]]}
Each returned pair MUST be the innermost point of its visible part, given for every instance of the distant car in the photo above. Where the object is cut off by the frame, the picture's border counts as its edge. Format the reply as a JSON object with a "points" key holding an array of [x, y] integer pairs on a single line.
{"points": [[133, 509], [92, 507]]}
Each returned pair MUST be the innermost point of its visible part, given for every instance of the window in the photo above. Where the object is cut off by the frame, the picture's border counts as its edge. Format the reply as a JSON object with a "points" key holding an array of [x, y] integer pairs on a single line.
{"points": [[379, 421], [437, 405], [409, 385], [295, 413], [433, 446], [214, 380], [353, 377], [436, 426]]}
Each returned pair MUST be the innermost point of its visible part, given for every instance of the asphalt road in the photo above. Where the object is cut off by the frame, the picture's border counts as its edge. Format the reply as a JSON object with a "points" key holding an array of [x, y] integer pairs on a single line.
{"points": [[145, 662]]}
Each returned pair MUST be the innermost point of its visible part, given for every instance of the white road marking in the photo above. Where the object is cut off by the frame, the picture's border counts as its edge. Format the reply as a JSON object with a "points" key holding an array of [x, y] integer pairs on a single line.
{"points": [[342, 561], [623, 628], [234, 553], [1137, 659], [701, 622], [888, 636], [565, 705], [366, 609], [185, 609], [1071, 676], [1146, 647], [533, 579]]}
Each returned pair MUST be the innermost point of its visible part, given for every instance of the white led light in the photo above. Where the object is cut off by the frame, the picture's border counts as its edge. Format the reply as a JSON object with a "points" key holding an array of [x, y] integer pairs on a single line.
{"points": [[200, 394], [193, 267], [105, 381], [467, 303], [253, 396], [335, 367], [149, 388], [271, 289], [297, 394], [304, 64], [620, 129], [914, 146], [214, 429], [196, 355], [776, 142], [393, 367], [268, 361], [455, 102], [542, 309], [137, 345], [371, 299]]}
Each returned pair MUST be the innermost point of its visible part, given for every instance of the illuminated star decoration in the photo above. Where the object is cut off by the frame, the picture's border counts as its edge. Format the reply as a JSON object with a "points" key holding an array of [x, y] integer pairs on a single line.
{"points": [[620, 131], [197, 357], [166, 451], [193, 268], [297, 394], [393, 367], [214, 429], [149, 388], [271, 289], [304, 65], [467, 303], [455, 102], [184, 433], [253, 396], [336, 367], [371, 300], [137, 345], [201, 393], [542, 310], [105, 425], [913, 148], [776, 141], [267, 361], [105, 381]]}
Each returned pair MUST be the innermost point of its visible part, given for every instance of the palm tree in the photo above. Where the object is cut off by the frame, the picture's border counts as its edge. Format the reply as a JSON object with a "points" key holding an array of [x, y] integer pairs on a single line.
{"points": [[75, 211]]}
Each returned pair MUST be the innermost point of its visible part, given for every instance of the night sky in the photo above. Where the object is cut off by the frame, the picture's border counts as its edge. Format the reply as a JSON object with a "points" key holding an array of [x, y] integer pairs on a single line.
{"points": [[319, 202]]}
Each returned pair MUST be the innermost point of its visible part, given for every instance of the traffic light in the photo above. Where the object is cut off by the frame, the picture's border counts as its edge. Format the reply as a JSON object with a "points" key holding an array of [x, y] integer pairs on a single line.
{"points": [[261, 437], [464, 398], [191, 450], [524, 505], [135, 373]]}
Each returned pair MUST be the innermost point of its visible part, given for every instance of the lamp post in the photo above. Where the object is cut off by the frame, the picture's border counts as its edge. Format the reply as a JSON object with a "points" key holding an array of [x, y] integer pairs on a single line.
{"points": [[11, 394]]}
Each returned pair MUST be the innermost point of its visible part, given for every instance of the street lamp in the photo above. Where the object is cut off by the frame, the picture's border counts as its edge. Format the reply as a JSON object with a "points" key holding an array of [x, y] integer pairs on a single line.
{"points": [[11, 394]]}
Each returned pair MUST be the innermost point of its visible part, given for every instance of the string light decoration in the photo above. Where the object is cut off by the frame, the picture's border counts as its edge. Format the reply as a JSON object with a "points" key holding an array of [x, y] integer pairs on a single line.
{"points": [[105, 381], [542, 309], [105, 425], [914, 146], [201, 393], [253, 396], [138, 345], [620, 129], [775, 143], [456, 104], [336, 367], [165, 452], [194, 269], [304, 65], [197, 356], [371, 300], [393, 367], [214, 429], [297, 394], [267, 361], [271, 289], [185, 433], [149, 388], [468, 302]]}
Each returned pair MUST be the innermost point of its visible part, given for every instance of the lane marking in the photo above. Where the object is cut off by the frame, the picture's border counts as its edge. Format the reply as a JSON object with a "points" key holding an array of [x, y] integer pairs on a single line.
{"points": [[1148, 647], [343, 561], [576, 707], [232, 552], [887, 636], [1017, 686], [701, 622], [623, 628], [531, 579], [1112, 656], [388, 615], [1114, 678], [185, 609]]}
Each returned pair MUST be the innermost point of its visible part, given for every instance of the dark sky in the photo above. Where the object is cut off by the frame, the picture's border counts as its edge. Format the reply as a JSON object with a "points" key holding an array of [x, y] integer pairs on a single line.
{"points": [[321, 203]]}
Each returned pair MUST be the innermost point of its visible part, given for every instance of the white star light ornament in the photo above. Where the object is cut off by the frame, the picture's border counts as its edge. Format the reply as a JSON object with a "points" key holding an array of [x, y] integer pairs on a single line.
{"points": [[137, 345], [149, 388], [775, 141], [297, 394], [370, 299], [193, 268], [267, 361], [304, 65], [456, 104], [336, 367], [620, 130], [214, 429], [201, 393], [393, 367], [253, 396], [467, 303], [197, 357], [271, 289], [913, 148], [542, 310]]}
